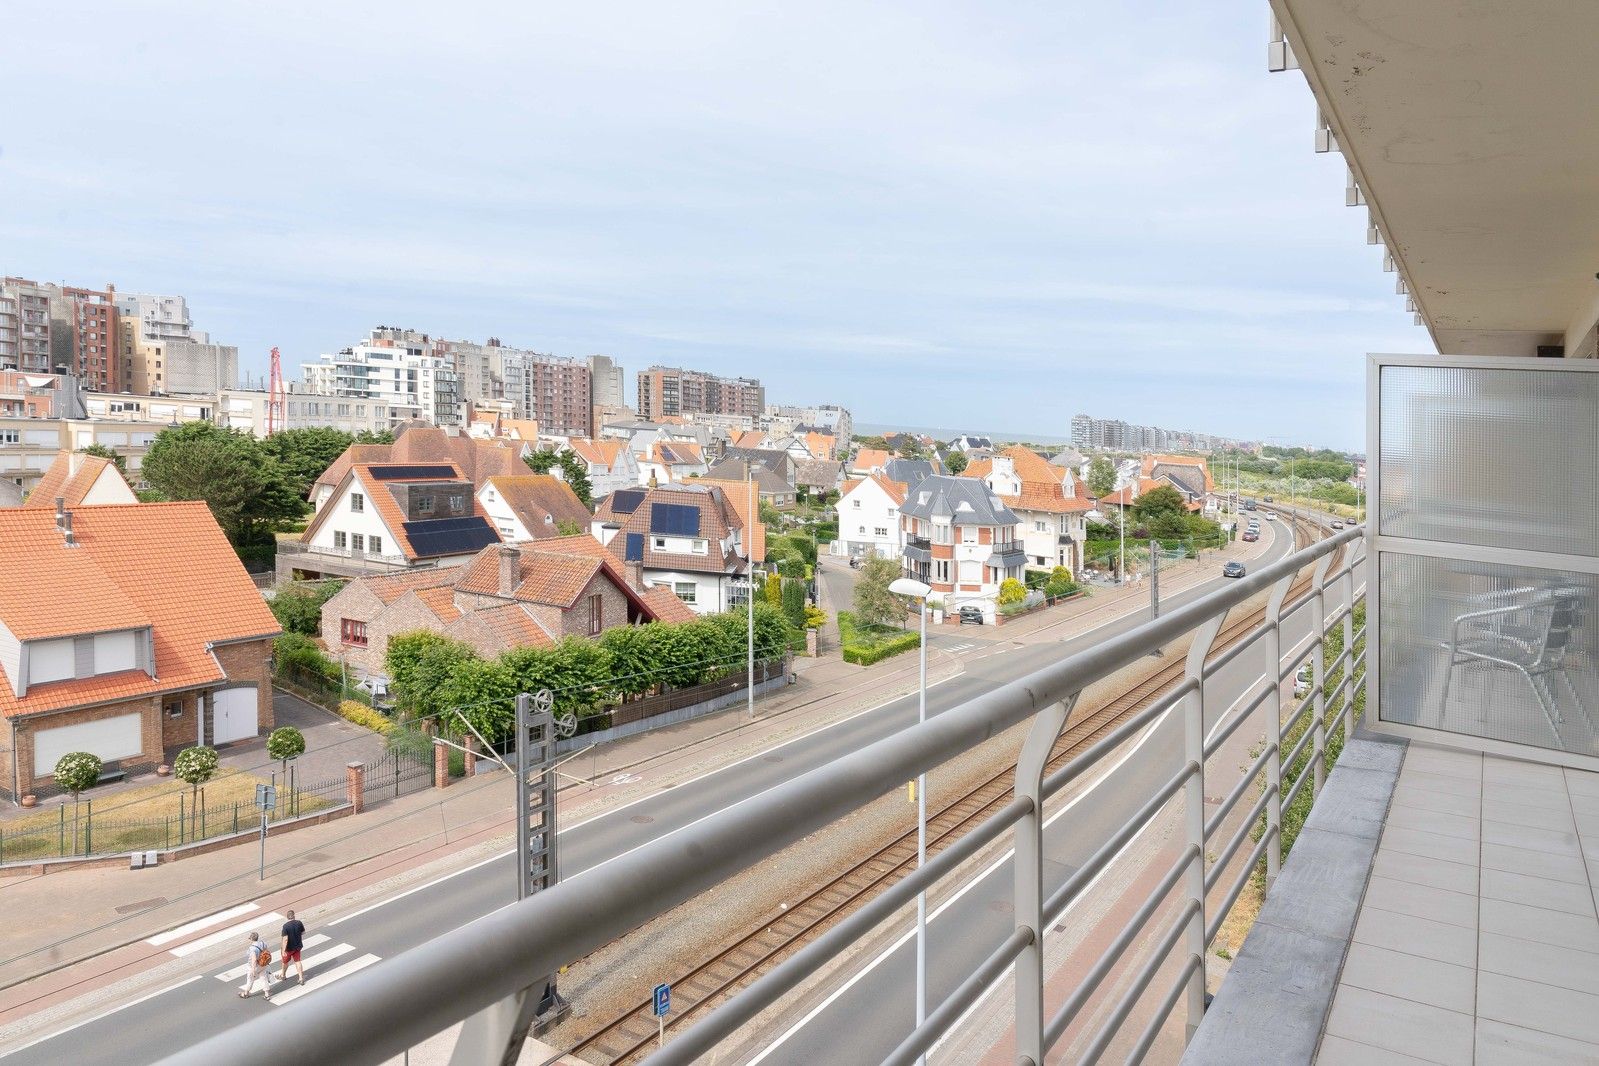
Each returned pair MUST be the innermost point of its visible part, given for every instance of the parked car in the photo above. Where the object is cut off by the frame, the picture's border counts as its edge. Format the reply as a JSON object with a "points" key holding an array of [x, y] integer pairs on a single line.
{"points": [[1302, 681], [971, 616], [1234, 568]]}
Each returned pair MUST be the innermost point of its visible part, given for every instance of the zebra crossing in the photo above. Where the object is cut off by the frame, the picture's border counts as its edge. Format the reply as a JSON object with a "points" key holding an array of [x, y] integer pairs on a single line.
{"points": [[967, 646], [325, 960]]}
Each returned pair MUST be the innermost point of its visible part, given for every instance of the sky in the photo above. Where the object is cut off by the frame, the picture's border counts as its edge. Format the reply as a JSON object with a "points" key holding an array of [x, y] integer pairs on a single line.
{"points": [[935, 214]]}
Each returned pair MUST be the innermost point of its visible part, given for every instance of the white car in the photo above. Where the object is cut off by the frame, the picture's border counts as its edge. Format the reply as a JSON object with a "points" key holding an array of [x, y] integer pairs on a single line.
{"points": [[1302, 681]]}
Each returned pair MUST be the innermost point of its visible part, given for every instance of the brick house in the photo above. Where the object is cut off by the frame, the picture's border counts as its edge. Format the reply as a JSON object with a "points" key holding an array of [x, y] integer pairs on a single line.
{"points": [[129, 631], [508, 596]]}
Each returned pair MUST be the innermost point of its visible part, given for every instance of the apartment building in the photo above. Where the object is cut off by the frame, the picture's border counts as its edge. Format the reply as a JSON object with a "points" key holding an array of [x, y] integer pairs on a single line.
{"points": [[29, 445], [59, 328], [246, 409], [554, 391], [667, 391], [605, 390], [400, 368], [154, 366], [161, 317], [24, 327]]}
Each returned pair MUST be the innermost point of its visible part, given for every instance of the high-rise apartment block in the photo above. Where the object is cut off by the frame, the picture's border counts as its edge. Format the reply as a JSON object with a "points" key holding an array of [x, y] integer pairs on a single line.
{"points": [[1116, 435], [158, 317], [400, 368], [553, 390], [828, 417], [606, 391], [24, 326], [60, 329], [666, 391]]}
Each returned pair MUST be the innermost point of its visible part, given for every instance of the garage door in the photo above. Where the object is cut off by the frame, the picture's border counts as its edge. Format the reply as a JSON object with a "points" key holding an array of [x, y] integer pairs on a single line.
{"points": [[233, 714], [109, 738]]}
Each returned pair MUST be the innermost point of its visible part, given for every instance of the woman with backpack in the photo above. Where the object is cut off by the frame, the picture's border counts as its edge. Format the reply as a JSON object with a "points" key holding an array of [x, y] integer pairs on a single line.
{"points": [[257, 959]]}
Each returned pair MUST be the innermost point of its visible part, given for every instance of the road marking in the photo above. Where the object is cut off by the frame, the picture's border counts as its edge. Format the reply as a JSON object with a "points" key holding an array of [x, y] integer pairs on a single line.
{"points": [[310, 942], [200, 923], [322, 980], [260, 921], [104, 1015], [410, 891]]}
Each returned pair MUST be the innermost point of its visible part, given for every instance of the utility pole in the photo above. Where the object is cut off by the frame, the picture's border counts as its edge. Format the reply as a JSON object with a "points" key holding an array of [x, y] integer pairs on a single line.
{"points": [[749, 559], [1154, 578]]}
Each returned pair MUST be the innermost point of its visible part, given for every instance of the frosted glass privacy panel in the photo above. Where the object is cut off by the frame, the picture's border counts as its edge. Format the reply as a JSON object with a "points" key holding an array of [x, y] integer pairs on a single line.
{"points": [[1489, 650], [1499, 458]]}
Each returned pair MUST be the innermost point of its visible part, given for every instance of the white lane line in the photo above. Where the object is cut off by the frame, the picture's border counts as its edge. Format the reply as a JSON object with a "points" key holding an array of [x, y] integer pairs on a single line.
{"points": [[322, 980], [200, 923], [310, 942], [105, 1014], [910, 934], [259, 922]]}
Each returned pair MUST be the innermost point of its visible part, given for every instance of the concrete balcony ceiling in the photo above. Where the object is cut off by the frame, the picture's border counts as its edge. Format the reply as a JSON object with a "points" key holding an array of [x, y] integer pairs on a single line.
{"points": [[1470, 125]]}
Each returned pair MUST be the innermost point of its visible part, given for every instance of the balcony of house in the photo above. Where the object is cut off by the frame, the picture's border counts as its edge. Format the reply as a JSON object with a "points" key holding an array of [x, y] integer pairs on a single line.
{"points": [[295, 557]]}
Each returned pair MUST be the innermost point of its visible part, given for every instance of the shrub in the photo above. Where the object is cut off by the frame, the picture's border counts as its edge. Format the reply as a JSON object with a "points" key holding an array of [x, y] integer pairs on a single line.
{"points": [[78, 771], [298, 607], [300, 651], [195, 766], [815, 618], [1011, 591], [865, 645], [774, 589], [792, 568], [364, 716], [794, 602], [285, 743], [1056, 589]]}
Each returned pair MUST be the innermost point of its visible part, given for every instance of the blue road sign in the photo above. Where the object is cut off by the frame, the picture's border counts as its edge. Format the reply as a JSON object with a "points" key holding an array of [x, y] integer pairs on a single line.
{"points": [[663, 1000]]}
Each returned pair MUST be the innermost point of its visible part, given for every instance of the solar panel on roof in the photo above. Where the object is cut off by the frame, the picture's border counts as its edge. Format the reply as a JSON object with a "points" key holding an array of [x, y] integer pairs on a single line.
{"points": [[450, 536], [634, 549], [626, 501], [412, 473], [674, 520]]}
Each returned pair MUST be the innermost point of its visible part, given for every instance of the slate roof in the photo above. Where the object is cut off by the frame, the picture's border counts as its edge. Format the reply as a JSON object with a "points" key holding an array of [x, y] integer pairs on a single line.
{"points": [[965, 501], [741, 470], [818, 473], [163, 565], [1192, 472], [909, 471]]}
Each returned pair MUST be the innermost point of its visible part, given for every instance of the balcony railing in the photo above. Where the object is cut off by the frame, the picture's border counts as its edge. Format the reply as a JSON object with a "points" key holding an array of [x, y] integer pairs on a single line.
{"points": [[490, 972], [913, 541], [300, 547]]}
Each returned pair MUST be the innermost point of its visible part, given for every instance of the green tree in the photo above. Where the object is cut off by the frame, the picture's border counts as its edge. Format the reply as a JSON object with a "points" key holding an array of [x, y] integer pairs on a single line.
{"points": [[955, 462], [298, 607], [568, 528], [247, 490], [769, 514], [774, 589], [1011, 591], [874, 604], [285, 743], [573, 471], [303, 454], [106, 453], [421, 664], [1101, 477], [195, 766], [77, 771], [1162, 499], [482, 692]]}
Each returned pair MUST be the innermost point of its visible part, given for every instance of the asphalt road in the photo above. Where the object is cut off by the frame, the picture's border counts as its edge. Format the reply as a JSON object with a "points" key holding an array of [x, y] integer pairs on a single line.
{"points": [[874, 1003], [204, 1005]]}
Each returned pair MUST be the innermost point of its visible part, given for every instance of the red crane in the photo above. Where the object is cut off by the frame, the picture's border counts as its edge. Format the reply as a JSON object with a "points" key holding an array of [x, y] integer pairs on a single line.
{"points": [[277, 398]]}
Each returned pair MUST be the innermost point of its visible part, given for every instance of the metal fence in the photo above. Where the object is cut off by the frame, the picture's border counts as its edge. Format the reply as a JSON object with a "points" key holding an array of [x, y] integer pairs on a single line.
{"points": [[479, 973], [79, 831]]}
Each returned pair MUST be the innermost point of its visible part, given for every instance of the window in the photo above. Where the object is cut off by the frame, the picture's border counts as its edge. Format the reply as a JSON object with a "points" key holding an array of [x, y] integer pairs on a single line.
{"points": [[352, 632], [375, 545], [863, 529], [685, 590], [1040, 526], [658, 543], [697, 547], [340, 540], [968, 534], [596, 614], [358, 542], [943, 534], [941, 570], [357, 502], [855, 504], [424, 504], [175, 709], [881, 531], [10, 436]]}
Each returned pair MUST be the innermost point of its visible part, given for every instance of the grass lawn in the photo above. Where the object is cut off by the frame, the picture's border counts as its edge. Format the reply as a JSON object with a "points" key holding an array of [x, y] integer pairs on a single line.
{"points": [[144, 817]]}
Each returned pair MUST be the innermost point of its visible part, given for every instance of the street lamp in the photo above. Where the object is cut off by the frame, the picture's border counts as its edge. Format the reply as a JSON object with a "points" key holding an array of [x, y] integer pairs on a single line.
{"points": [[919, 591]]}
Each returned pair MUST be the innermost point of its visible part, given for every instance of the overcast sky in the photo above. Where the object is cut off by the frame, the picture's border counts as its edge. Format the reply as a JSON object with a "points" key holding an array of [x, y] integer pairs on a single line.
{"points": [[954, 215]]}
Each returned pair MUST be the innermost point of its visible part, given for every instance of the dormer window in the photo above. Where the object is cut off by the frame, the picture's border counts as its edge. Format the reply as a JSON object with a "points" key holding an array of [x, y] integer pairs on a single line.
{"points": [[67, 658]]}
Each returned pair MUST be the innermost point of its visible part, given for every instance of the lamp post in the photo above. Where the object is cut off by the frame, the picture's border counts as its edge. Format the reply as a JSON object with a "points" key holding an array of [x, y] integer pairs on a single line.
{"points": [[919, 591], [749, 594]]}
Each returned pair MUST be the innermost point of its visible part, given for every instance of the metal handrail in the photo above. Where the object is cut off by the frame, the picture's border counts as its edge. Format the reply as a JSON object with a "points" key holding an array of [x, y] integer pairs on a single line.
{"points": [[479, 973]]}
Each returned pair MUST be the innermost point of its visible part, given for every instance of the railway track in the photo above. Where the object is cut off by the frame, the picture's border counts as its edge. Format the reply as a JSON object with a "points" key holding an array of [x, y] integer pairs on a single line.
{"points": [[628, 1036]]}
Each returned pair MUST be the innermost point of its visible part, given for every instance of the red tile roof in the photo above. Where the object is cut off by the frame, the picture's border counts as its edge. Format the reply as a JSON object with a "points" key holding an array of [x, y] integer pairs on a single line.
{"points": [[71, 477], [666, 606], [869, 459], [514, 626], [537, 497], [391, 587], [163, 565]]}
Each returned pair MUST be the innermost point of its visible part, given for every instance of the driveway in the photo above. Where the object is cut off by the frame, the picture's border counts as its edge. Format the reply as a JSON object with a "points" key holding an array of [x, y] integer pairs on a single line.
{"points": [[330, 742]]}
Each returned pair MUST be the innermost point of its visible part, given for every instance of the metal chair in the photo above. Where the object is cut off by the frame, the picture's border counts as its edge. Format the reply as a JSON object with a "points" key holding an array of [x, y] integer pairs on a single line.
{"points": [[1534, 632]]}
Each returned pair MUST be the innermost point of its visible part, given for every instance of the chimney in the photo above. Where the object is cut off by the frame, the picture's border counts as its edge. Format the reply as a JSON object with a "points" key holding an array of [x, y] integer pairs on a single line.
{"points": [[510, 569], [634, 573], [66, 528]]}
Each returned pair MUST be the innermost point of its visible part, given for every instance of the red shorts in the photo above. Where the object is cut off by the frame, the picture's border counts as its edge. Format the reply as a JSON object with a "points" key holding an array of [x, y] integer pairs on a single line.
{"points": [[291, 956]]}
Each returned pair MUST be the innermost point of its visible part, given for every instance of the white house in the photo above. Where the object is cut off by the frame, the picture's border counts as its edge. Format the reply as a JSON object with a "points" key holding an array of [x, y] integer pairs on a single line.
{"points": [[868, 517], [527, 507], [611, 464], [1047, 502], [688, 538]]}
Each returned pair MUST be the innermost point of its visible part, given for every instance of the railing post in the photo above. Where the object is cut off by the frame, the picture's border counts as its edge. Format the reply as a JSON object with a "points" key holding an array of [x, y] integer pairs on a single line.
{"points": [[1274, 735], [1029, 967], [1194, 809], [1346, 712], [1318, 678]]}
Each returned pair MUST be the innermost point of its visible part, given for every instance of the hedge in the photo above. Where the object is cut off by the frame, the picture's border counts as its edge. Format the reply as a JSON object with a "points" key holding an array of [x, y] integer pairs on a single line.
{"points": [[362, 715], [861, 649]]}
